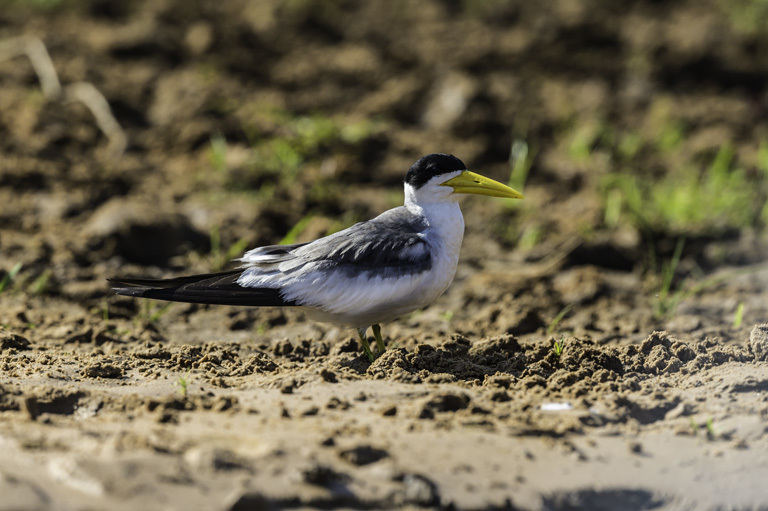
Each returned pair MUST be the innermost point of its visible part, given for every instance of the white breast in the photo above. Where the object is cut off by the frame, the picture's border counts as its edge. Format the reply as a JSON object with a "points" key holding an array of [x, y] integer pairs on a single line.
{"points": [[364, 300]]}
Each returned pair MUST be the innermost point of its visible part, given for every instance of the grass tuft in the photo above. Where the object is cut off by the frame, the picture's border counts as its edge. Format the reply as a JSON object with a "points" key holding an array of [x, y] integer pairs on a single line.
{"points": [[738, 316], [39, 285], [747, 16], [559, 317], [668, 298], [10, 276], [219, 258], [282, 142], [183, 383], [295, 231], [558, 347], [152, 312], [218, 153], [520, 162], [724, 196]]}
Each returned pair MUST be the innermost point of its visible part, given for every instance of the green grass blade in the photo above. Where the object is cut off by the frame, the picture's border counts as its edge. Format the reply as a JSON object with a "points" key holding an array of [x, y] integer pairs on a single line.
{"points": [[8, 278]]}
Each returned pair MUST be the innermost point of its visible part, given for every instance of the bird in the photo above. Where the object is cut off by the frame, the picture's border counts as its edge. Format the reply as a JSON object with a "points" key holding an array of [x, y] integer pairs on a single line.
{"points": [[368, 274]]}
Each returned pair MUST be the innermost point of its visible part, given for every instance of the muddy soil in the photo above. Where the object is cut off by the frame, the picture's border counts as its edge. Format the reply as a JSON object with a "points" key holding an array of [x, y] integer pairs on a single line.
{"points": [[550, 376]]}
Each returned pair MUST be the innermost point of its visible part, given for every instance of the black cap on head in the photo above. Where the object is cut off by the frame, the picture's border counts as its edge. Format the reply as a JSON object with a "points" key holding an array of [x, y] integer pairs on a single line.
{"points": [[430, 166]]}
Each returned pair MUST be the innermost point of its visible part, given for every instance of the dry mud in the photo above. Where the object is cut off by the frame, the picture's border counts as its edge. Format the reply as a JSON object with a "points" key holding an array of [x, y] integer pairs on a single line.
{"points": [[106, 403]]}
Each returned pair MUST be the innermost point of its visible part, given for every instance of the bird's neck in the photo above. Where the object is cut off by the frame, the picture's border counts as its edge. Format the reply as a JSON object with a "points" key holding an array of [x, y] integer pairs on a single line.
{"points": [[440, 208], [446, 223]]}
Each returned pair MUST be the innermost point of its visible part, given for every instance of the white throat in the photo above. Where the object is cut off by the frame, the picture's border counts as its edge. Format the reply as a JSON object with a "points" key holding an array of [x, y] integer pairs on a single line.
{"points": [[440, 208]]}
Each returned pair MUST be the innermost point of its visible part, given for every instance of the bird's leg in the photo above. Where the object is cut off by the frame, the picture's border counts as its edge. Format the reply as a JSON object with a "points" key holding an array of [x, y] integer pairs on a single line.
{"points": [[364, 340], [379, 341]]}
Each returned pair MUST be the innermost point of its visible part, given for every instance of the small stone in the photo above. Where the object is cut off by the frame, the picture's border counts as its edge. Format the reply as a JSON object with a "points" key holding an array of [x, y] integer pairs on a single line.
{"points": [[389, 411], [321, 475], [363, 455], [420, 491], [328, 375], [288, 386], [311, 411], [166, 416], [338, 404]]}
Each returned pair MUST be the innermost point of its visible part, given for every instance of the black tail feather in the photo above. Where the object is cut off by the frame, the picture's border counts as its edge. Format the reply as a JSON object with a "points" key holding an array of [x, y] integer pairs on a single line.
{"points": [[214, 288]]}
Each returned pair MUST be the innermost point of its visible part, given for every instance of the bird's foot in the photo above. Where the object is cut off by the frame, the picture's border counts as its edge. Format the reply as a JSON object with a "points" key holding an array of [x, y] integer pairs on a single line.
{"points": [[368, 352], [379, 340], [367, 347], [364, 341]]}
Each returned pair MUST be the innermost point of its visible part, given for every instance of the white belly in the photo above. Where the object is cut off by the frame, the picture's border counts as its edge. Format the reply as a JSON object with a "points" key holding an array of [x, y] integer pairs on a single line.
{"points": [[364, 301], [375, 300]]}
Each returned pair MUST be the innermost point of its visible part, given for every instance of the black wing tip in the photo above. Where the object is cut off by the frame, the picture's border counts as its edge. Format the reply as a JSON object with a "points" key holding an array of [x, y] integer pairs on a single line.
{"points": [[120, 283], [130, 291], [214, 289]]}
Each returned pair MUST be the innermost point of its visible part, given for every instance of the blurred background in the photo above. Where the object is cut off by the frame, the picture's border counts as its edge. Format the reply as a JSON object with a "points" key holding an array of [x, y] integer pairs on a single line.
{"points": [[638, 131]]}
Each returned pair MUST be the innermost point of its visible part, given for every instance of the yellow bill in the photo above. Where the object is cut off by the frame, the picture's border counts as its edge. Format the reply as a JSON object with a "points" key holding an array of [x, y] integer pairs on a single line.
{"points": [[469, 182]]}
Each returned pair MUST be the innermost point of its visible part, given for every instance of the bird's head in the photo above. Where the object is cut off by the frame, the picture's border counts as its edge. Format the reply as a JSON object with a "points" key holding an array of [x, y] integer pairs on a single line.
{"points": [[438, 177]]}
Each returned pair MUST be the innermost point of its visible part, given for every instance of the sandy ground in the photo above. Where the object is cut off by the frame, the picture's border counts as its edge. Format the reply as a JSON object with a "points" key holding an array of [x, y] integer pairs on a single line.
{"points": [[468, 423], [544, 379]]}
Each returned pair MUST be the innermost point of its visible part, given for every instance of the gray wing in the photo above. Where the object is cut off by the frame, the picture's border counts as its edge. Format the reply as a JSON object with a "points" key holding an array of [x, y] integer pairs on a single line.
{"points": [[271, 254], [392, 244]]}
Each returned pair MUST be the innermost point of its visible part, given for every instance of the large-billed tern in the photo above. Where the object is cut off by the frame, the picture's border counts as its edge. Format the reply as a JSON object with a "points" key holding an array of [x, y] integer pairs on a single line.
{"points": [[367, 274]]}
